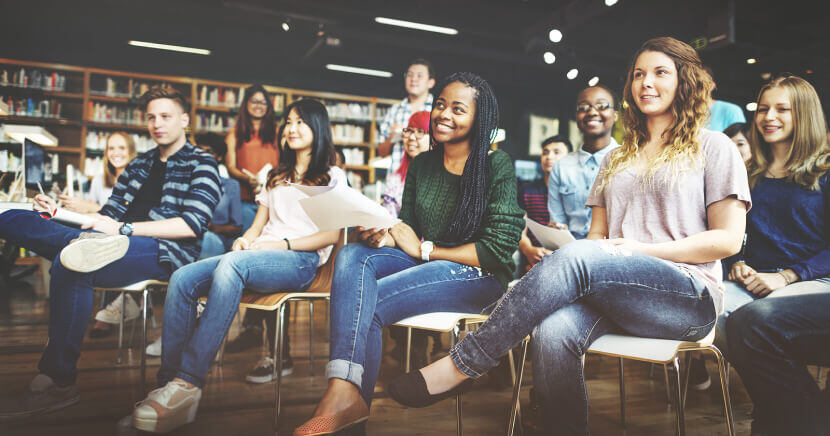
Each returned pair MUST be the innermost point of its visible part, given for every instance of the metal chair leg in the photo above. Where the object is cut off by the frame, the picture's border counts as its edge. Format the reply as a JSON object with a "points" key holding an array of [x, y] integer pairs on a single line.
{"points": [[678, 397], [278, 350], [458, 413], [144, 299], [622, 393], [517, 386], [723, 368], [687, 360], [408, 347], [121, 331], [513, 378], [668, 390], [310, 336]]}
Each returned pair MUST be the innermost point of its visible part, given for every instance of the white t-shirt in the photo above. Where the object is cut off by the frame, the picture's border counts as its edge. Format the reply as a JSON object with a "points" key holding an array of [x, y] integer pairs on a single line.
{"points": [[97, 191], [286, 218]]}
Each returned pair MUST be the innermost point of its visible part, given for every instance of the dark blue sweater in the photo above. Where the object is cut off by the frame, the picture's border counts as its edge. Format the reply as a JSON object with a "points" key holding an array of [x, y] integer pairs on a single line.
{"points": [[789, 227]]}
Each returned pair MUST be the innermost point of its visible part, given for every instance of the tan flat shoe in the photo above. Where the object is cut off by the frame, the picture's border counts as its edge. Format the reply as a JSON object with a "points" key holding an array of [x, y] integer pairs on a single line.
{"points": [[328, 424]]}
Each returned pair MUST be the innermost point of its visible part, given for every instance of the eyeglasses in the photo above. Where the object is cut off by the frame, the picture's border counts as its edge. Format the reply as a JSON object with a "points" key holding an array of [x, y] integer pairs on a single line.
{"points": [[258, 102], [600, 106], [419, 133]]}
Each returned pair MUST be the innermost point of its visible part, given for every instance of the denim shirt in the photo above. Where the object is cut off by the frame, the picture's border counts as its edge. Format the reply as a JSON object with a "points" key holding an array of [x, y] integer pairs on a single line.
{"points": [[570, 183]]}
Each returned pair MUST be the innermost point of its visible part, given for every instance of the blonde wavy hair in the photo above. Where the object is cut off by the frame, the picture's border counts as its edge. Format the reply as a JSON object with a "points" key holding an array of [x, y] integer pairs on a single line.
{"points": [[809, 156], [690, 109]]}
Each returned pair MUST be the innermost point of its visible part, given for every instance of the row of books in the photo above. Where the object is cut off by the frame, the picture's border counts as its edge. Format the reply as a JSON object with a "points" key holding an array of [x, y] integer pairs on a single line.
{"points": [[342, 111], [214, 122], [96, 140], [123, 87], [348, 133], [354, 179], [109, 113], [33, 107], [219, 96], [354, 156], [33, 78]]}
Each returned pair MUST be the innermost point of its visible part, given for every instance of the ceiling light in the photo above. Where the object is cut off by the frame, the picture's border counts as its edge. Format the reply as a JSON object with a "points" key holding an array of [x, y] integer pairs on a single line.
{"points": [[417, 26], [751, 106], [809, 71], [358, 70], [610, 2], [179, 48], [751, 61], [285, 26], [555, 35], [572, 73], [36, 134], [766, 76], [549, 57], [593, 82]]}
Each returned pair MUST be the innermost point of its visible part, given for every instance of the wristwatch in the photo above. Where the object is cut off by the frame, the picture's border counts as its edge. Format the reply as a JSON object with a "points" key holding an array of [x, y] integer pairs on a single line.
{"points": [[426, 250], [126, 229]]}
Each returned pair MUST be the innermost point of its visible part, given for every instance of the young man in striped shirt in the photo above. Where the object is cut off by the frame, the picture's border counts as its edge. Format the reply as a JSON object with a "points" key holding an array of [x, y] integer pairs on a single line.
{"points": [[151, 225]]}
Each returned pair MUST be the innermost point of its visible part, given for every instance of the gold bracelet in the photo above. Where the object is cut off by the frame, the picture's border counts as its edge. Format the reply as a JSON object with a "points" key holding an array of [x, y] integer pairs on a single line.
{"points": [[785, 277]]}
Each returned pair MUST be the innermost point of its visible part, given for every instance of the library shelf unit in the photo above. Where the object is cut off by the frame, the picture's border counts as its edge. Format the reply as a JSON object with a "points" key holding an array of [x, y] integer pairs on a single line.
{"points": [[80, 106]]}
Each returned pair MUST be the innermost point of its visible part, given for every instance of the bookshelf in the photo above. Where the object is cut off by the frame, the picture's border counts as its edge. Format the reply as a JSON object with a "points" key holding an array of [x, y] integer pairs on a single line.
{"points": [[81, 106]]}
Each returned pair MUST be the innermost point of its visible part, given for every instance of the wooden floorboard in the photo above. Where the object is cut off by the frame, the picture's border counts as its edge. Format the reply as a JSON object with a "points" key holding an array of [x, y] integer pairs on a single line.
{"points": [[230, 406]]}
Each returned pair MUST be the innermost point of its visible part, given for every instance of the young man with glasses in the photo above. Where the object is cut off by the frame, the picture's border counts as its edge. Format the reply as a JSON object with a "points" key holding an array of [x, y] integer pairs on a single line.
{"points": [[572, 177], [419, 79], [151, 225]]}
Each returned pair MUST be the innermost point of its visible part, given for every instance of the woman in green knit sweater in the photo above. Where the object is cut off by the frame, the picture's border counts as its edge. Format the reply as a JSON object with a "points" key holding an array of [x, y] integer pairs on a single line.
{"points": [[451, 252]]}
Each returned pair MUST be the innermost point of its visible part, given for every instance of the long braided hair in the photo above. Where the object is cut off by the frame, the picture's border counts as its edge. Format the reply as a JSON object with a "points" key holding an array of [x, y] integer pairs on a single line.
{"points": [[472, 197]]}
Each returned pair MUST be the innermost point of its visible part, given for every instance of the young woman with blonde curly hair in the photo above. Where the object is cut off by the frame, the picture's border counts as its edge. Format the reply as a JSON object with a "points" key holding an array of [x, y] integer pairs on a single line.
{"points": [[667, 205]]}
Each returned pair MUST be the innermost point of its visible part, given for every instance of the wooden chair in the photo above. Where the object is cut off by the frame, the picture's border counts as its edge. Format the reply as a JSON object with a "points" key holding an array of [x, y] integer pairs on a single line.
{"points": [[143, 287], [319, 289], [453, 323]]}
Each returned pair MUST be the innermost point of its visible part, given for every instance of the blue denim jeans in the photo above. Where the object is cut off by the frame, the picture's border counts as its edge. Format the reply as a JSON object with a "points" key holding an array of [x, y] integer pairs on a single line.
{"points": [[187, 347], [70, 292], [771, 340], [214, 244], [735, 296], [572, 297], [376, 287]]}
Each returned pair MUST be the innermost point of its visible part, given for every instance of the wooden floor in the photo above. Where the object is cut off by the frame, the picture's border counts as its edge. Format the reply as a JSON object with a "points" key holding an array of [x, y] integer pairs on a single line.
{"points": [[230, 406]]}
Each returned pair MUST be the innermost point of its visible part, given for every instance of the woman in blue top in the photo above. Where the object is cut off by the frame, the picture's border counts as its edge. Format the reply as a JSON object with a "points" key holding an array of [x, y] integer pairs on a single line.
{"points": [[788, 229]]}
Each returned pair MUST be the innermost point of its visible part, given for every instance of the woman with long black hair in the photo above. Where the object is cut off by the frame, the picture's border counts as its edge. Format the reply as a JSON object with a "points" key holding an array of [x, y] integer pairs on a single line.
{"points": [[460, 200]]}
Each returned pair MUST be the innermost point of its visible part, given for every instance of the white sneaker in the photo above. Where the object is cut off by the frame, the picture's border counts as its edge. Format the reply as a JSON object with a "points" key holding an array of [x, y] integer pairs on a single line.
{"points": [[91, 251], [154, 349], [166, 408], [112, 313]]}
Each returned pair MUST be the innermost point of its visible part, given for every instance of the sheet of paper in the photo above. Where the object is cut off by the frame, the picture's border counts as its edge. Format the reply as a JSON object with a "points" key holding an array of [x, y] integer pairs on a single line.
{"points": [[72, 218], [337, 207], [549, 237]]}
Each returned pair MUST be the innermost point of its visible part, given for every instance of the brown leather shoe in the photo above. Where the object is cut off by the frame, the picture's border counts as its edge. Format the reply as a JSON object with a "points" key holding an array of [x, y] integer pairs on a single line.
{"points": [[355, 414]]}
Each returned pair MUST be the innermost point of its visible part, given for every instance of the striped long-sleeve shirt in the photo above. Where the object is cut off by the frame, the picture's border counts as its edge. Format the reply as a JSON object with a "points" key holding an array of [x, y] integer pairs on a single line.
{"points": [[191, 191]]}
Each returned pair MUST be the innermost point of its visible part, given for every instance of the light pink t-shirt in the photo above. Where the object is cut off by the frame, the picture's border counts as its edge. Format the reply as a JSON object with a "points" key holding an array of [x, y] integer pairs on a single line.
{"points": [[659, 212], [286, 218]]}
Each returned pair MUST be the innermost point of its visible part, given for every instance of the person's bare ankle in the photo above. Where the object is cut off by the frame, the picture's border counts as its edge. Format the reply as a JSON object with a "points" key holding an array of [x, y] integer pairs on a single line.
{"points": [[442, 375], [339, 395]]}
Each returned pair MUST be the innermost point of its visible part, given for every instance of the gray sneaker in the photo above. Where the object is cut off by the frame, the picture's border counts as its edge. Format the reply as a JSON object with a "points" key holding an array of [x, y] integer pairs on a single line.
{"points": [[42, 396], [91, 251]]}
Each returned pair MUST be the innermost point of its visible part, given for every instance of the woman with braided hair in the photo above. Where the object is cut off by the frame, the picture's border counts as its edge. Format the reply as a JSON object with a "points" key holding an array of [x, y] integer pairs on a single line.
{"points": [[451, 251]]}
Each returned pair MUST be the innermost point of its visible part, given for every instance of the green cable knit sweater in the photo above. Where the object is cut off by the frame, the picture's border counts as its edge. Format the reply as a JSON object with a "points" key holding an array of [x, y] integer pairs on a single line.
{"points": [[429, 198]]}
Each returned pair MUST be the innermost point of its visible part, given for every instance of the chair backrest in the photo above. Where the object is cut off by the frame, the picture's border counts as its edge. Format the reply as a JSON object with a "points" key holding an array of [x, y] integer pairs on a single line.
{"points": [[322, 280]]}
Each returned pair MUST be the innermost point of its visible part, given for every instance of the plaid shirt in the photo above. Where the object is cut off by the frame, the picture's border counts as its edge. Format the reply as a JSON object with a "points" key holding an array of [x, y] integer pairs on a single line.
{"points": [[399, 114], [191, 191]]}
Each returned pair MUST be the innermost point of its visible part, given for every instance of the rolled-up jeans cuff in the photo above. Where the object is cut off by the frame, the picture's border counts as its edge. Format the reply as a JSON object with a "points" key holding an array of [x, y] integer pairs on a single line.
{"points": [[345, 370], [470, 359]]}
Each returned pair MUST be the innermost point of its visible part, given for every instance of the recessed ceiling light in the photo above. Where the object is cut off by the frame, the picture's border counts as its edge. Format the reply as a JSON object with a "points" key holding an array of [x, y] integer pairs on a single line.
{"points": [[809, 71], [572, 73], [285, 26], [593, 82], [178, 48], [555, 35], [417, 26], [549, 57], [766, 76], [751, 106], [610, 2], [751, 61], [359, 70]]}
